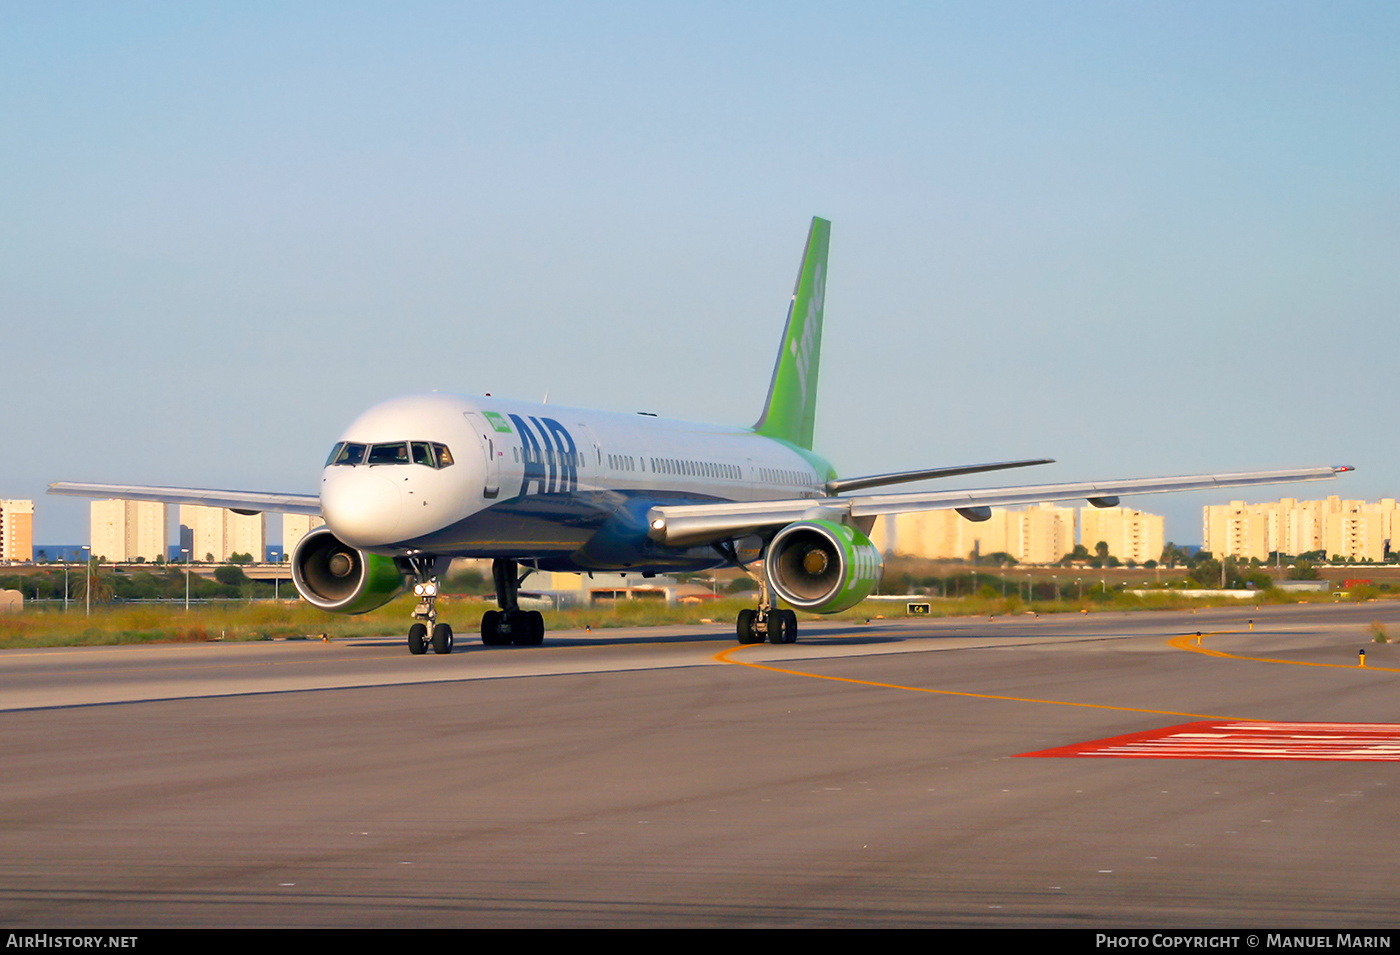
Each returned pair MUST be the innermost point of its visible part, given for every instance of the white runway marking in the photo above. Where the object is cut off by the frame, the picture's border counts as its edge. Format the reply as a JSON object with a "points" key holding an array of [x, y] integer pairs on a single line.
{"points": [[1370, 742]]}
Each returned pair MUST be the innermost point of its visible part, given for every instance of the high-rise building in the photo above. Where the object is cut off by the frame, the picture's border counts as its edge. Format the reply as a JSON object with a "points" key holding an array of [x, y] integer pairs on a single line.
{"points": [[1043, 534], [17, 531], [216, 533], [128, 530], [1040, 534], [1129, 534], [1349, 530], [1240, 530], [294, 528], [1357, 530]]}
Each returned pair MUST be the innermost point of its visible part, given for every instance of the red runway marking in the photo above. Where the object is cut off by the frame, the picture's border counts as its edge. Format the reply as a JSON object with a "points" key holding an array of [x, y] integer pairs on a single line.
{"points": [[1248, 740]]}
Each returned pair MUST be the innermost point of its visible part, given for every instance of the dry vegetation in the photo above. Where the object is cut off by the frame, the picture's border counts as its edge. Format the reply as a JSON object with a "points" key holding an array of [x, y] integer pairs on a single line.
{"points": [[294, 619]]}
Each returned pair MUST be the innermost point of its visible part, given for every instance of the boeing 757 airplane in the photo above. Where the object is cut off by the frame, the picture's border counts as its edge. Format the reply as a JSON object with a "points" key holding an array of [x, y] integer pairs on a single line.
{"points": [[416, 481]]}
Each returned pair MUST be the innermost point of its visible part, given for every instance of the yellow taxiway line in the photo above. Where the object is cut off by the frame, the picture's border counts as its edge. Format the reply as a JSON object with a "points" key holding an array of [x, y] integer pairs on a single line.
{"points": [[1183, 642], [724, 657]]}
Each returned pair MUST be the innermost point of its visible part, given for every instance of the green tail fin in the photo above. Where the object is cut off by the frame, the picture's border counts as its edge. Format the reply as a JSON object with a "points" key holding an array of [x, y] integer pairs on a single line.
{"points": [[790, 412]]}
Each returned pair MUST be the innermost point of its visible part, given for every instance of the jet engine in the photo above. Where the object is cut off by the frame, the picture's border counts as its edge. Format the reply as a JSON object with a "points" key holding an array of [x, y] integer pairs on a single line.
{"points": [[822, 566], [337, 577]]}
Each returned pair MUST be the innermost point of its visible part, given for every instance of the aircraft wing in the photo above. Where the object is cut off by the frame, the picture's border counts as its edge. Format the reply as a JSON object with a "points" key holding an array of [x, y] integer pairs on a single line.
{"points": [[690, 524], [841, 485], [251, 502]]}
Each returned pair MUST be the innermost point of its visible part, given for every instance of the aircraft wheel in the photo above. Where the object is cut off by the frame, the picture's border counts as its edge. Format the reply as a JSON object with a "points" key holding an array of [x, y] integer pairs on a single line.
{"points": [[529, 629], [787, 631], [745, 628], [442, 638], [491, 629], [417, 639], [777, 627], [521, 629]]}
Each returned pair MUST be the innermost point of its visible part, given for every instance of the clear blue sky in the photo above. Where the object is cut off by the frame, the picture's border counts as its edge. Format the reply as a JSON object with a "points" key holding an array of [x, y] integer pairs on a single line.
{"points": [[1140, 238]]}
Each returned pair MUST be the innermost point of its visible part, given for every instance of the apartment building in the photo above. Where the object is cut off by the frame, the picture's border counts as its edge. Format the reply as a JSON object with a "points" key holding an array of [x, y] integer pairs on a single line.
{"points": [[125, 531], [294, 528], [1040, 534], [17, 531], [1349, 530], [216, 533]]}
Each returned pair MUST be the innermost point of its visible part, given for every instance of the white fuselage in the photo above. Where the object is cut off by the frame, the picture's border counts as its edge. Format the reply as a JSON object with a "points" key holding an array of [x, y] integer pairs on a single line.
{"points": [[523, 479]]}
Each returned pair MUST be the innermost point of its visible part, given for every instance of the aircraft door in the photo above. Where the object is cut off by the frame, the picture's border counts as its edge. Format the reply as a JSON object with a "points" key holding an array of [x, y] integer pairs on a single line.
{"points": [[486, 435], [593, 451]]}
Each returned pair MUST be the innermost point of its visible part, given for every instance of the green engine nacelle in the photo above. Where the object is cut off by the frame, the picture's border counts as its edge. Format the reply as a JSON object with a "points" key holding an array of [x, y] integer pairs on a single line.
{"points": [[336, 577], [822, 566]]}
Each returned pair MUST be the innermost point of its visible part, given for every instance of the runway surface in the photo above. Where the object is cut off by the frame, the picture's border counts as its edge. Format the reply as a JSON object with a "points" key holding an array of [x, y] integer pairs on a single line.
{"points": [[870, 775]]}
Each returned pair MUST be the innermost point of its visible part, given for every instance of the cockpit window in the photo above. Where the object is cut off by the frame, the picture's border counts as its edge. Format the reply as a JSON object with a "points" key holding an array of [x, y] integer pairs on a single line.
{"points": [[396, 453], [346, 453], [422, 453], [427, 453]]}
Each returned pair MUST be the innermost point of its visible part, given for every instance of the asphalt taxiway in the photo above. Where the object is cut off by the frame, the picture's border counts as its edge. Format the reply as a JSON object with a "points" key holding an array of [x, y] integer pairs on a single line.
{"points": [[870, 775]]}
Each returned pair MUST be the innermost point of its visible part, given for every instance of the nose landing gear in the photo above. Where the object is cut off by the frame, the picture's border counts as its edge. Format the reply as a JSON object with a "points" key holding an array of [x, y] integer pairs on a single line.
{"points": [[425, 588]]}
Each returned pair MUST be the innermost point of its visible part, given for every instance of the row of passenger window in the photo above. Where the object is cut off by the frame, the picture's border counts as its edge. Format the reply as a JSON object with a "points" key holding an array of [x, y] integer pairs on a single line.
{"points": [[426, 453], [711, 469], [782, 476], [708, 469], [550, 456]]}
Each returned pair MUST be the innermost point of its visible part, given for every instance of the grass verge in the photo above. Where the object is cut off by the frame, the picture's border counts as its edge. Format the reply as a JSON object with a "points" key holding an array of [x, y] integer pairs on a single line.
{"points": [[290, 619]]}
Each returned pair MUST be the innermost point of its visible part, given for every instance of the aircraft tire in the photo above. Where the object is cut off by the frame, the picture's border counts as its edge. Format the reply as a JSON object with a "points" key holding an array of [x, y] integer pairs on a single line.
{"points": [[442, 638], [519, 623], [744, 626], [789, 628], [491, 629], [529, 631], [777, 627], [417, 639]]}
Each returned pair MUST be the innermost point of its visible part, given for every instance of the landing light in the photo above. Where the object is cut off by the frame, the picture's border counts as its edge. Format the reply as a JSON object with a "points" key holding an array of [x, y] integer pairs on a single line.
{"points": [[425, 590], [659, 524]]}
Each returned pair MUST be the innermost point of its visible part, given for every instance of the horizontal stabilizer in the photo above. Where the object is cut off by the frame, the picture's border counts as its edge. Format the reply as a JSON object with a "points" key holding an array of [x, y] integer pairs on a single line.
{"points": [[249, 501], [689, 524], [907, 477]]}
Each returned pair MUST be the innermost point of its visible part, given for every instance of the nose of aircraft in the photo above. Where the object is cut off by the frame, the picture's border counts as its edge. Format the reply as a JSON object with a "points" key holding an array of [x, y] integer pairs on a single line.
{"points": [[362, 507]]}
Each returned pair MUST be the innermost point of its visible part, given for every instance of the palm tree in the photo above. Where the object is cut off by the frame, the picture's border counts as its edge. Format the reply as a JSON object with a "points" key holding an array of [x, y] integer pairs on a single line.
{"points": [[102, 589]]}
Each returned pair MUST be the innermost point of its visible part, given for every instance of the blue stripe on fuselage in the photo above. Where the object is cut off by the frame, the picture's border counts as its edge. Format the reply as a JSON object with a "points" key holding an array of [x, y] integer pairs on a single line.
{"points": [[565, 453], [532, 459], [550, 456]]}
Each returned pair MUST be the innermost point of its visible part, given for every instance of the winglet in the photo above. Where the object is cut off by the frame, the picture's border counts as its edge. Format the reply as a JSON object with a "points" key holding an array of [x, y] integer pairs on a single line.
{"points": [[790, 413]]}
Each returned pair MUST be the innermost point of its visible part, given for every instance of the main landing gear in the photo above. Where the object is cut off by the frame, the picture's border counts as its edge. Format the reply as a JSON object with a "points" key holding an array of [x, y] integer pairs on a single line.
{"points": [[510, 625], [767, 622], [427, 632]]}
